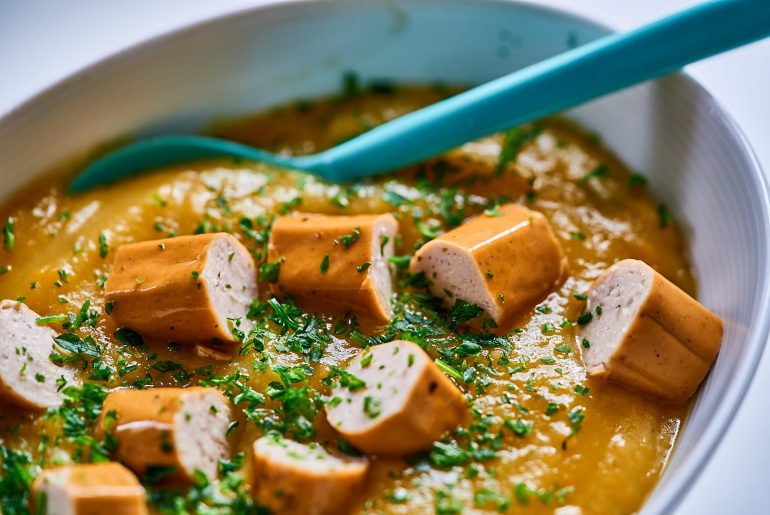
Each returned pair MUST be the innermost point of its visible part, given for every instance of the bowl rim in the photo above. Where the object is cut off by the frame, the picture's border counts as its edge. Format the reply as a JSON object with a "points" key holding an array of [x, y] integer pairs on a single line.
{"points": [[687, 474]]}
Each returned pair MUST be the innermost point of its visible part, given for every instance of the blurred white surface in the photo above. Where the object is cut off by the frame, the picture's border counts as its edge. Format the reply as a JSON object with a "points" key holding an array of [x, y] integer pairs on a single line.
{"points": [[41, 41]]}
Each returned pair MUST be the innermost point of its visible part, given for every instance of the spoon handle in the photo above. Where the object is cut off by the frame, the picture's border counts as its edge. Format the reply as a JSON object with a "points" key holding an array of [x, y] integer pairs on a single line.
{"points": [[587, 72]]}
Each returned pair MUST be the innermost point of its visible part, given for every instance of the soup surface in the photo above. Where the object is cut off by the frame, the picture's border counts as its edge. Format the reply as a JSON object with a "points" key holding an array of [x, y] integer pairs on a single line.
{"points": [[543, 435]]}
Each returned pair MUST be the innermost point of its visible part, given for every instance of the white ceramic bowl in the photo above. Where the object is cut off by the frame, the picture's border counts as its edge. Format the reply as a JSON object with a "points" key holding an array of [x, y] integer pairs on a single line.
{"points": [[671, 129]]}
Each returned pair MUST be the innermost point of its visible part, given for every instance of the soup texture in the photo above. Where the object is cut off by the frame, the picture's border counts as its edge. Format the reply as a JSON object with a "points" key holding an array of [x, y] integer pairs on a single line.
{"points": [[543, 437]]}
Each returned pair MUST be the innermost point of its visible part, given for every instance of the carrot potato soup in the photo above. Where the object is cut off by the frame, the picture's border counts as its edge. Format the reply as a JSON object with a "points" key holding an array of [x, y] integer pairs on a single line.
{"points": [[506, 328]]}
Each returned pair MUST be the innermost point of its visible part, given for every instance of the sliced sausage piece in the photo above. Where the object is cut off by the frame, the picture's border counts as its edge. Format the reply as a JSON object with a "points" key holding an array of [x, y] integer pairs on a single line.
{"points": [[28, 378], [405, 404], [296, 479], [178, 430], [503, 264], [88, 489], [647, 334], [336, 261], [182, 289]]}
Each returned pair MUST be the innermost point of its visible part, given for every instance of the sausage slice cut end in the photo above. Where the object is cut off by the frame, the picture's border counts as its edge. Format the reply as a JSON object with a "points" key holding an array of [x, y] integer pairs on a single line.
{"points": [[28, 377], [294, 478], [180, 430], [647, 334], [401, 403]]}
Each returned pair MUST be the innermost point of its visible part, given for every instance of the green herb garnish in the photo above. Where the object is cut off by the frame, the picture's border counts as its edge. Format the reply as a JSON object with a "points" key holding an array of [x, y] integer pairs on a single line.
{"points": [[513, 142], [372, 406], [348, 240], [269, 272], [665, 218], [463, 312], [103, 247], [9, 234]]}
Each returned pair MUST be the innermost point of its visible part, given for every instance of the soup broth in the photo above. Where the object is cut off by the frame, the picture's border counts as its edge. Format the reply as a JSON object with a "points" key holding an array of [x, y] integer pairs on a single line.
{"points": [[543, 435]]}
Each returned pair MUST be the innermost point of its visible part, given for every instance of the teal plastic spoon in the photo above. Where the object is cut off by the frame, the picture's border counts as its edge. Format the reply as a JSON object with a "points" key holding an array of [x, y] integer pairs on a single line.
{"points": [[585, 73]]}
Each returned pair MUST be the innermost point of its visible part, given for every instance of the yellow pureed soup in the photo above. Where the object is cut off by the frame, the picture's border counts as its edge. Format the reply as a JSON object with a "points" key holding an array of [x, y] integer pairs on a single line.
{"points": [[542, 435]]}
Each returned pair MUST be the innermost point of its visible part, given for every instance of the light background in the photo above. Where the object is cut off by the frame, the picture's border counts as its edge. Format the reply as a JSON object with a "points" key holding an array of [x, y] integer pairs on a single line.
{"points": [[41, 41]]}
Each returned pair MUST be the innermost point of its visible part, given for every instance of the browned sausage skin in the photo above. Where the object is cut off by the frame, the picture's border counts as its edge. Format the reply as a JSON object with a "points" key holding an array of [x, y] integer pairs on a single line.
{"points": [[178, 429], [502, 263], [647, 334], [303, 479], [88, 489], [186, 289], [338, 262]]}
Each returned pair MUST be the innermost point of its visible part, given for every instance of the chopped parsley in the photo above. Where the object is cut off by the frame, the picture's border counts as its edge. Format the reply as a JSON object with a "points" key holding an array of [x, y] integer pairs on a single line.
{"points": [[395, 199], [284, 315], [351, 84], [467, 348], [400, 261], [344, 378], [581, 390], [446, 503], [447, 455], [513, 142], [340, 200], [493, 211], [576, 417], [398, 496], [637, 180], [486, 498], [429, 230], [78, 415], [665, 218], [448, 369], [103, 245], [269, 272], [290, 205], [128, 336], [384, 240], [348, 240], [463, 312], [77, 346], [518, 427], [167, 366], [51, 319], [585, 318], [9, 234], [18, 472], [600, 171], [372, 406]]}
